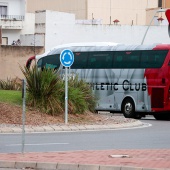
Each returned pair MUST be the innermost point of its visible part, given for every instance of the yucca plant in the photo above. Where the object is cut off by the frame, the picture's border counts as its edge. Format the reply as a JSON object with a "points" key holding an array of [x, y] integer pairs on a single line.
{"points": [[44, 89], [10, 84], [81, 96]]}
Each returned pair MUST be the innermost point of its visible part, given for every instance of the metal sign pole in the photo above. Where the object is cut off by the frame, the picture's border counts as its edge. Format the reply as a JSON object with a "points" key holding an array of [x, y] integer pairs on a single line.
{"points": [[66, 59], [66, 96], [23, 114]]}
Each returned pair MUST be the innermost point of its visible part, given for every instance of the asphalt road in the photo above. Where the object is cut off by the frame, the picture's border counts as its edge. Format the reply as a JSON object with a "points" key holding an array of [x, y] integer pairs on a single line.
{"points": [[156, 136]]}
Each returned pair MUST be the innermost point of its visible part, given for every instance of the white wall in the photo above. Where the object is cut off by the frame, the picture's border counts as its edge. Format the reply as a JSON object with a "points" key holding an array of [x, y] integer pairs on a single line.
{"points": [[13, 35], [32, 40], [23, 7], [29, 24], [15, 7], [61, 29], [40, 20]]}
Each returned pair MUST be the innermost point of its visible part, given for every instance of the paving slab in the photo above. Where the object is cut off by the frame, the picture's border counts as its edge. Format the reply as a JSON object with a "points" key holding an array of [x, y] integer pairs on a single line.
{"points": [[25, 164], [9, 164], [17, 130], [48, 128], [81, 127], [74, 128], [88, 167], [65, 128], [57, 128], [42, 165], [29, 129], [65, 166], [6, 130], [38, 129], [109, 167], [89, 127], [131, 168]]}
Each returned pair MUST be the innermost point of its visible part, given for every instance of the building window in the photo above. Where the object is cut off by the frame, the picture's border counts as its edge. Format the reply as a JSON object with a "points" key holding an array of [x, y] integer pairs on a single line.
{"points": [[159, 3], [3, 10], [4, 40]]}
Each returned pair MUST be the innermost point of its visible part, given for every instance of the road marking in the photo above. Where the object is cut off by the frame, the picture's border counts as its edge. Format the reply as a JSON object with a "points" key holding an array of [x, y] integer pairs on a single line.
{"points": [[38, 144]]}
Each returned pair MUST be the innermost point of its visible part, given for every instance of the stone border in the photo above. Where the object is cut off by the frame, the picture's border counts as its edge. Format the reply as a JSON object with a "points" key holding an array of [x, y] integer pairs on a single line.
{"points": [[63, 166], [61, 128]]}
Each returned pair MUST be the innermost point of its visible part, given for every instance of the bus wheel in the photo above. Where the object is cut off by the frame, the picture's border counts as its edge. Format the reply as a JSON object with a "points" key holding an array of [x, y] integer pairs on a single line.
{"points": [[128, 108], [162, 116]]}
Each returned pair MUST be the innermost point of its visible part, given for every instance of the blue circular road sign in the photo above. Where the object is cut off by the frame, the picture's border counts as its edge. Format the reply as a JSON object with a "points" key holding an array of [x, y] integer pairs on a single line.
{"points": [[66, 58]]}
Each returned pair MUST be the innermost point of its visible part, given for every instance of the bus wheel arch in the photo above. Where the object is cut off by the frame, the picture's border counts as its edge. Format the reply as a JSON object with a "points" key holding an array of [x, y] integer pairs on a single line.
{"points": [[128, 107]]}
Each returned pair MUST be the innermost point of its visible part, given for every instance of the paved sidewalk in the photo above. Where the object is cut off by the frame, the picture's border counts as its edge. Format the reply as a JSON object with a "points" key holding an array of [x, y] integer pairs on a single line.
{"points": [[90, 160]]}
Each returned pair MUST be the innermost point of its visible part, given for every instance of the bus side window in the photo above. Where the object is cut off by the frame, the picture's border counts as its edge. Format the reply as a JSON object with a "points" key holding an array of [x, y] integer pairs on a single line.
{"points": [[51, 61], [92, 63], [80, 60], [109, 61], [39, 63], [127, 59], [118, 60], [134, 59], [153, 59], [51, 66], [144, 60], [100, 60]]}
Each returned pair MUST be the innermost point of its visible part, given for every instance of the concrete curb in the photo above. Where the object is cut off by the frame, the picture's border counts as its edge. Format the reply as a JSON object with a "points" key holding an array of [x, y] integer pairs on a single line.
{"points": [[63, 166], [61, 128]]}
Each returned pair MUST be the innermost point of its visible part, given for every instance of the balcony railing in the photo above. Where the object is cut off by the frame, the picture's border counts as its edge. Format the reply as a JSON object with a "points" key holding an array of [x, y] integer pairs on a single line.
{"points": [[11, 21], [12, 17]]}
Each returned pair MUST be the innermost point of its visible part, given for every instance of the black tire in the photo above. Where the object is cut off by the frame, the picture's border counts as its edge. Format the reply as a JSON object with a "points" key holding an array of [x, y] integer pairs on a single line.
{"points": [[128, 108], [162, 116]]}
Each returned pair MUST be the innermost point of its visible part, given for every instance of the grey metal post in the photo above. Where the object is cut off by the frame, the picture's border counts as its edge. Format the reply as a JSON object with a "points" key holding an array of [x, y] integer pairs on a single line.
{"points": [[66, 96], [66, 59], [23, 114]]}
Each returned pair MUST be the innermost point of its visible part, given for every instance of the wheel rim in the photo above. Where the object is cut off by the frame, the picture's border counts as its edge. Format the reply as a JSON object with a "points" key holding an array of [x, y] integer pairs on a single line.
{"points": [[128, 108]]}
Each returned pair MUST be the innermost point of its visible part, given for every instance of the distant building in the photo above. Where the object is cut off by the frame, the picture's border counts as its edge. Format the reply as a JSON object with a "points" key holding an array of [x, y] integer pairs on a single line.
{"points": [[128, 12], [12, 16], [18, 17], [15, 21]]}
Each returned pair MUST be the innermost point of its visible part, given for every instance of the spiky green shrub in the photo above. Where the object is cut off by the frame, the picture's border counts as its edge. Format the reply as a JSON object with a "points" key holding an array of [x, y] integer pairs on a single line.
{"points": [[10, 84], [81, 96], [44, 90]]}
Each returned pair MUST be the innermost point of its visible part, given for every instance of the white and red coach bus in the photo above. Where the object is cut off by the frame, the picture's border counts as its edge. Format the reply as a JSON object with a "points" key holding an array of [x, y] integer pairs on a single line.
{"points": [[133, 79]]}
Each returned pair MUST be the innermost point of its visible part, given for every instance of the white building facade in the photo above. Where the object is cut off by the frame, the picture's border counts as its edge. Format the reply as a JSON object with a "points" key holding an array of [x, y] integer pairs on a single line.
{"points": [[61, 28], [51, 28], [14, 21]]}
